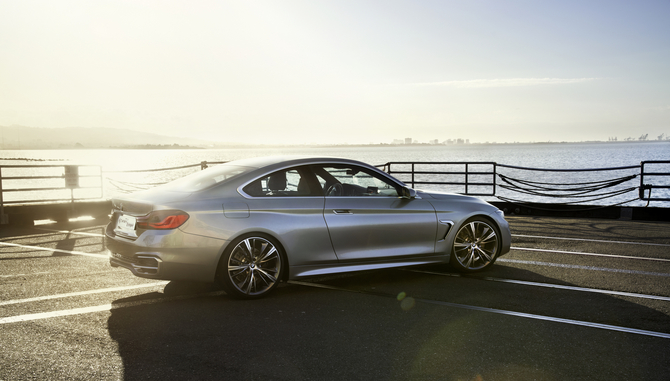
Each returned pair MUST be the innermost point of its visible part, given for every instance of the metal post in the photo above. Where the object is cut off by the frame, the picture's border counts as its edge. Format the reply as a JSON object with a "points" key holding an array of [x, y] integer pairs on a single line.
{"points": [[466, 178], [412, 175], [495, 177], [3, 218], [102, 191], [641, 189]]}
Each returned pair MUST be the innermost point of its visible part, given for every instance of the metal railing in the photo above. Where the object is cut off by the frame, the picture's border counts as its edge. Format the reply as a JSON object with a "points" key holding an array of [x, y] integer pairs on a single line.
{"points": [[42, 182], [487, 179], [504, 181], [70, 176], [663, 165], [475, 177]]}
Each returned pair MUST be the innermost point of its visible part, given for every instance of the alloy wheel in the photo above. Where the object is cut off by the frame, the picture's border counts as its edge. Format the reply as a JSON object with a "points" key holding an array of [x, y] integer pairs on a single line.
{"points": [[475, 245], [254, 266]]}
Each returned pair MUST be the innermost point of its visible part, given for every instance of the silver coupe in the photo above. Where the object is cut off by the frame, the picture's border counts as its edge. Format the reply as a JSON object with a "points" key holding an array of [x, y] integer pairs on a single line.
{"points": [[250, 224]]}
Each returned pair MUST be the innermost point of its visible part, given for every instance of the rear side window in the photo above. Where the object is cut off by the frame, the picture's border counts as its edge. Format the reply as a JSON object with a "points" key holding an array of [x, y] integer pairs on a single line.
{"points": [[294, 182]]}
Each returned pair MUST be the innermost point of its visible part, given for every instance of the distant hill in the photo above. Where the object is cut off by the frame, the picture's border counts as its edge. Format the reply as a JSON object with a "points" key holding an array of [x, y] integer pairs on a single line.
{"points": [[21, 137]]}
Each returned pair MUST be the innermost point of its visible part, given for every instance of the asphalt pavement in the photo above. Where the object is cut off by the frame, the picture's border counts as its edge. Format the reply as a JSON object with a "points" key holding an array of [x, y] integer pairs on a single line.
{"points": [[575, 299]]}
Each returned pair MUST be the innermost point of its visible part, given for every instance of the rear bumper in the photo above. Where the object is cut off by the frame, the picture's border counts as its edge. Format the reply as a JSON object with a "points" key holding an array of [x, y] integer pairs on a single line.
{"points": [[145, 265], [166, 255]]}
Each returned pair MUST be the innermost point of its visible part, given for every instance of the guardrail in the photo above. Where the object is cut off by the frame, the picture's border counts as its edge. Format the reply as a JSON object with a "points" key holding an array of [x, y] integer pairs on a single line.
{"points": [[46, 185], [43, 181], [664, 165], [476, 176], [506, 182], [488, 179]]}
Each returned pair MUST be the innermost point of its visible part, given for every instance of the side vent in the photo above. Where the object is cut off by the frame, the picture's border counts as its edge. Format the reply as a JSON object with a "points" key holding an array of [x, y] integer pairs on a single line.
{"points": [[449, 224]]}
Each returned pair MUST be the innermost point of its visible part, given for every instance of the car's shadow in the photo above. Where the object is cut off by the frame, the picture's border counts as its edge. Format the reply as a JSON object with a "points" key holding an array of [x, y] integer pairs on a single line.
{"points": [[310, 333]]}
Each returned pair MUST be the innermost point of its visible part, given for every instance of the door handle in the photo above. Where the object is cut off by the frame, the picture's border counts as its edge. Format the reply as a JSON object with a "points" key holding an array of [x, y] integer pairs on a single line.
{"points": [[342, 211]]}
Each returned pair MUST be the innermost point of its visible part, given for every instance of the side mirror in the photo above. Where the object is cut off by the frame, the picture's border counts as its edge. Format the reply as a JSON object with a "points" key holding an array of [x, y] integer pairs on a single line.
{"points": [[407, 193]]}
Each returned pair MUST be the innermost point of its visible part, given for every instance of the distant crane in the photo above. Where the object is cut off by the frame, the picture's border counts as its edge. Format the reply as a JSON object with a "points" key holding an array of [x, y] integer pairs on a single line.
{"points": [[660, 137], [644, 136]]}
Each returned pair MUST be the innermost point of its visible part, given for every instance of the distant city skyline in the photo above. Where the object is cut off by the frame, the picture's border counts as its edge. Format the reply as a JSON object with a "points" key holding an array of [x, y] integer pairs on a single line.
{"points": [[22, 138], [340, 71], [431, 141]]}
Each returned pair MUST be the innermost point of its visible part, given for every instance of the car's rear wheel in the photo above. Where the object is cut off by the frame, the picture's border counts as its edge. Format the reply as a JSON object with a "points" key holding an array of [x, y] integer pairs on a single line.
{"points": [[250, 267], [476, 245]]}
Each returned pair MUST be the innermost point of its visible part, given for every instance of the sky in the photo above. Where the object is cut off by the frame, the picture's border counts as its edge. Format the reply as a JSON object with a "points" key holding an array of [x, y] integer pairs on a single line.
{"points": [[359, 71]]}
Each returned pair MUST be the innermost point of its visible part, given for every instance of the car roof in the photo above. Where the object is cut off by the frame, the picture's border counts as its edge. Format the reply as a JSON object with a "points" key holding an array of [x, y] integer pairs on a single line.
{"points": [[267, 164], [270, 162]]}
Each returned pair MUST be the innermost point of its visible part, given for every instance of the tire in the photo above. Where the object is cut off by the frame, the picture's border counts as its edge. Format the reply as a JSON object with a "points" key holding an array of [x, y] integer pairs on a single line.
{"points": [[251, 266], [476, 245]]}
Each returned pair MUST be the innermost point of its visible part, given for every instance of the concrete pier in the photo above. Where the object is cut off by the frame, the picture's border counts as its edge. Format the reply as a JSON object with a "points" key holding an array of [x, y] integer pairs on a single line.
{"points": [[575, 299], [634, 213], [26, 215]]}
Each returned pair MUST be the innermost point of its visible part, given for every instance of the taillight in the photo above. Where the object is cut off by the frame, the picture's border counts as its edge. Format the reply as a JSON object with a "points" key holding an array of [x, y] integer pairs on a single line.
{"points": [[162, 219]]}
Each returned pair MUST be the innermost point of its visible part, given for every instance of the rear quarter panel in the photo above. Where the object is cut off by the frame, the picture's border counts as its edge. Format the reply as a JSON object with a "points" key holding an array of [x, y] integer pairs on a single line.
{"points": [[297, 223]]}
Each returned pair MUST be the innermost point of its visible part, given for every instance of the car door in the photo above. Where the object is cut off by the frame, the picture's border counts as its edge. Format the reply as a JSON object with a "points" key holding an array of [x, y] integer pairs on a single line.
{"points": [[367, 219], [289, 204]]}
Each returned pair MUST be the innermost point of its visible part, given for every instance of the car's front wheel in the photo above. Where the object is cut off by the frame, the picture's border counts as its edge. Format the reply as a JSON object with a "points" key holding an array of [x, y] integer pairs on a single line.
{"points": [[476, 245], [250, 267]]}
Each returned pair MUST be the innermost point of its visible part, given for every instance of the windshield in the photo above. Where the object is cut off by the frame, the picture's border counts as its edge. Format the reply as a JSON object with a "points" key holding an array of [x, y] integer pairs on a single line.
{"points": [[205, 179]]}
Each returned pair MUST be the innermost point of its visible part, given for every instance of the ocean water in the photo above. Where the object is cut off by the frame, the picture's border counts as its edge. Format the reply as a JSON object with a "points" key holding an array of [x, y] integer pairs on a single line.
{"points": [[108, 164]]}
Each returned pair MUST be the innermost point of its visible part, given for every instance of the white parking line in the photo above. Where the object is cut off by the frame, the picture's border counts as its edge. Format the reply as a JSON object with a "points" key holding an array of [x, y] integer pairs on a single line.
{"points": [[552, 319], [103, 256], [550, 285], [583, 289], [74, 232], [591, 240], [506, 312], [52, 314], [18, 275], [536, 263], [590, 254], [109, 307], [23, 237], [98, 291], [100, 308]]}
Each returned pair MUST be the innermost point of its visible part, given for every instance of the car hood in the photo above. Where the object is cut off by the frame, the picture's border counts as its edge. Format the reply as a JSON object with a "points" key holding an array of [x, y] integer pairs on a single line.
{"points": [[448, 197]]}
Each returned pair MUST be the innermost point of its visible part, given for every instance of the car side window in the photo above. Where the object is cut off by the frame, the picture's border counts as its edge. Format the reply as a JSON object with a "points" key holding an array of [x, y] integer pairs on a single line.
{"points": [[285, 183], [352, 181]]}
